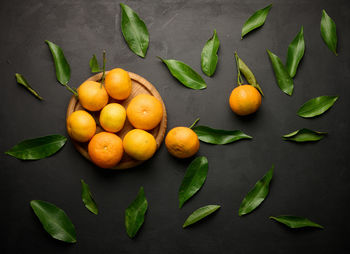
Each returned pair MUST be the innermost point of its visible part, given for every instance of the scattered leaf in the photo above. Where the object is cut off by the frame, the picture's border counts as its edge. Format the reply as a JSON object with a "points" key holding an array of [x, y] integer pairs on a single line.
{"points": [[295, 53], [329, 32], [295, 222], [256, 20], [55, 221], [135, 214], [134, 31], [316, 106], [256, 195], [193, 180], [199, 214], [304, 135], [209, 57], [87, 198], [94, 65], [22, 81], [37, 148], [218, 137]]}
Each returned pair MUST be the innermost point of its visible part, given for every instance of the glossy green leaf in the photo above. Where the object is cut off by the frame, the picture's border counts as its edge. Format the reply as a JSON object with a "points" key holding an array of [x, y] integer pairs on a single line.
{"points": [[316, 106], [22, 81], [256, 20], [94, 65], [209, 57], [61, 64], [295, 53], [304, 135], [284, 81], [256, 195], [218, 137], [295, 222], [329, 32], [87, 198], [135, 214], [193, 180], [55, 221], [134, 31], [37, 148], [184, 73], [200, 213]]}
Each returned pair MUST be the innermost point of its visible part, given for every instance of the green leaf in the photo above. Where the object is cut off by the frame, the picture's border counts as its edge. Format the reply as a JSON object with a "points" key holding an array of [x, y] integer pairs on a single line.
{"points": [[61, 64], [22, 81], [184, 73], [304, 135], [199, 214], [87, 198], [256, 20], [329, 32], [295, 222], [135, 214], [256, 195], [194, 178], [284, 81], [54, 220], [296, 51], [218, 137], [37, 148], [316, 106], [209, 57], [94, 65], [134, 31]]}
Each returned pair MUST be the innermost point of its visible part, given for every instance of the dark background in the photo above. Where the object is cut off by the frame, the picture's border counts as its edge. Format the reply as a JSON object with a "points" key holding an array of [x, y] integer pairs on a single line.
{"points": [[311, 180]]}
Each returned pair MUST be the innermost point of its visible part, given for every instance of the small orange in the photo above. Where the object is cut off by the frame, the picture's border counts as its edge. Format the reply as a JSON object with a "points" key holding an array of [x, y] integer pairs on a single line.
{"points": [[182, 142], [105, 149], [81, 126], [139, 144], [245, 100], [144, 112], [92, 95], [112, 117], [118, 84]]}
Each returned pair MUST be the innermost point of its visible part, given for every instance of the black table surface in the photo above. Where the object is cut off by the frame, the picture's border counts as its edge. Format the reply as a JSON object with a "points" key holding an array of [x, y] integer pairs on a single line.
{"points": [[311, 180]]}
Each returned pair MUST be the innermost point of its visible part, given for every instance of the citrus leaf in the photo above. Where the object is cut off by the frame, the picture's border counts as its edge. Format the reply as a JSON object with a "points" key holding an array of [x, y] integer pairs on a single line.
{"points": [[54, 220], [37, 148], [22, 81], [316, 106], [135, 214], [284, 81], [61, 64], [87, 198], [209, 57], [295, 53], [193, 180], [256, 20], [184, 73], [329, 32], [200, 213], [94, 65], [304, 135], [256, 195], [218, 137], [134, 31], [295, 222]]}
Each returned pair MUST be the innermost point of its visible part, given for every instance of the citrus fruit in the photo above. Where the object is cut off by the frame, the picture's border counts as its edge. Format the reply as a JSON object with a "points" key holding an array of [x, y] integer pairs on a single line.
{"points": [[245, 100], [118, 84], [92, 95], [112, 117], [144, 112], [81, 126], [182, 142], [139, 144], [105, 149]]}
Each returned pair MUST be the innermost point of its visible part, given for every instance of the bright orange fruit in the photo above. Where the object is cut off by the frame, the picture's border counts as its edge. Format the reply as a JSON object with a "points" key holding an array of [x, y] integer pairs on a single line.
{"points": [[245, 100], [182, 142]]}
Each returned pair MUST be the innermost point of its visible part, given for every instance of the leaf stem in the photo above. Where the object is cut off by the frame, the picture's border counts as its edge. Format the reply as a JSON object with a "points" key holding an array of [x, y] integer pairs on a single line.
{"points": [[104, 67], [72, 90], [239, 78], [194, 123]]}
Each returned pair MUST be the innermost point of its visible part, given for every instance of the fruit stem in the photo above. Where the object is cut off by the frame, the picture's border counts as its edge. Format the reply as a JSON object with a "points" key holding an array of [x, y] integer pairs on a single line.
{"points": [[72, 90], [239, 78], [195, 122], [104, 67]]}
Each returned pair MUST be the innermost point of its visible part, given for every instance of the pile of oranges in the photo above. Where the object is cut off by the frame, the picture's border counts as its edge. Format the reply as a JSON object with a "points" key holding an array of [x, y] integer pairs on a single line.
{"points": [[106, 148]]}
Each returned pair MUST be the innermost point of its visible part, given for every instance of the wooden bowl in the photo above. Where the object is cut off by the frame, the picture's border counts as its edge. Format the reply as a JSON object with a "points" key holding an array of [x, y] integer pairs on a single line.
{"points": [[139, 86]]}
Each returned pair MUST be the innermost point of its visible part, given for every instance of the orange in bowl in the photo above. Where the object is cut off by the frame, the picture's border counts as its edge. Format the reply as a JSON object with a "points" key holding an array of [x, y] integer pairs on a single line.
{"points": [[139, 144], [92, 95], [118, 84], [81, 126]]}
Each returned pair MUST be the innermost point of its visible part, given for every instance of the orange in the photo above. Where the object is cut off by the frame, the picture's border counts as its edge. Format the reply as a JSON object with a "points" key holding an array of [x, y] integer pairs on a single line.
{"points": [[92, 95], [245, 100], [144, 112], [139, 144], [112, 117], [182, 142], [118, 84], [105, 149], [81, 126]]}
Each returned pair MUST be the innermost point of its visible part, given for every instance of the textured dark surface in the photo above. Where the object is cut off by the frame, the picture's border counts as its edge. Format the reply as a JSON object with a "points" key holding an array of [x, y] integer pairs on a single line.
{"points": [[311, 180]]}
